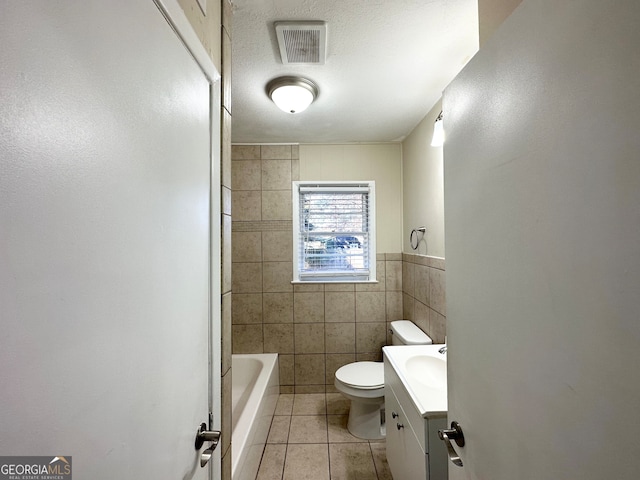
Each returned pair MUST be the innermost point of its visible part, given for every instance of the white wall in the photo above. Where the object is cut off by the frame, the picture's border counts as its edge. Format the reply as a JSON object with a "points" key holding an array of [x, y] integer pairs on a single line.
{"points": [[423, 188], [491, 14], [379, 162], [542, 196]]}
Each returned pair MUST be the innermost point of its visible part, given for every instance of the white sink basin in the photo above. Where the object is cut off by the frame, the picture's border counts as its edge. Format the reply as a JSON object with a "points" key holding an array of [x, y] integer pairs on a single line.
{"points": [[428, 370], [423, 372]]}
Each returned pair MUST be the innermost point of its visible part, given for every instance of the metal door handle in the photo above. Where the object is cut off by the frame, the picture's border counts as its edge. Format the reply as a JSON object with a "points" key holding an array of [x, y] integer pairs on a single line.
{"points": [[204, 435], [455, 434], [206, 455]]}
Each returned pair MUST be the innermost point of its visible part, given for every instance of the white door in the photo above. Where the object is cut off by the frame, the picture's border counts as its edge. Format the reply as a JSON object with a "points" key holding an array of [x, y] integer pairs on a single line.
{"points": [[105, 185], [542, 208]]}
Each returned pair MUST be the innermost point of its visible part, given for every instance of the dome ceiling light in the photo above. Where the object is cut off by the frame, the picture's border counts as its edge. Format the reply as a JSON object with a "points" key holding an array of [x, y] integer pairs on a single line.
{"points": [[292, 94]]}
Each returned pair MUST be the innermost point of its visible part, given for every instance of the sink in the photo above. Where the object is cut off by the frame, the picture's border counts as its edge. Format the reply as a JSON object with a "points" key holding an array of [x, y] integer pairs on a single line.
{"points": [[428, 370], [422, 370]]}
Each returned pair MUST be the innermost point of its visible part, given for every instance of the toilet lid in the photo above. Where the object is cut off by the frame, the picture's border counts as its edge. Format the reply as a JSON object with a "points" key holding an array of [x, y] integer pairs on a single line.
{"points": [[365, 375]]}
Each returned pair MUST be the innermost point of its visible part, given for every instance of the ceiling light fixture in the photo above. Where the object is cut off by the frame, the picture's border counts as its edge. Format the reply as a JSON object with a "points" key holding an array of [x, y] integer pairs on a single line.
{"points": [[292, 94], [438, 132]]}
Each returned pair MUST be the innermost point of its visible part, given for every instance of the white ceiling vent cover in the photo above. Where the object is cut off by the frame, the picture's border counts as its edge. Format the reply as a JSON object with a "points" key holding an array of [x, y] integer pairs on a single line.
{"points": [[302, 42]]}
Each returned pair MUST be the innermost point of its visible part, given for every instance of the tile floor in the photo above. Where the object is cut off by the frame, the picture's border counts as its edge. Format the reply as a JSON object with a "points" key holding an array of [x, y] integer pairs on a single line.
{"points": [[309, 439]]}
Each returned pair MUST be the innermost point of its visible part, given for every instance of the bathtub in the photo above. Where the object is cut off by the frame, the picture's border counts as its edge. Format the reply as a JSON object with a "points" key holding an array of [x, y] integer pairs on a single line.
{"points": [[255, 386]]}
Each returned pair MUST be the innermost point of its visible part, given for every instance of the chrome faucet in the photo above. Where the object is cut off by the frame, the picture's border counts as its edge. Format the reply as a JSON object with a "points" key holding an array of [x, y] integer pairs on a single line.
{"points": [[443, 350]]}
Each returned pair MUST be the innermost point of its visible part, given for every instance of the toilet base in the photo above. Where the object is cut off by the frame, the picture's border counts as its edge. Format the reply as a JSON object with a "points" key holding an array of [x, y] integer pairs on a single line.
{"points": [[365, 420]]}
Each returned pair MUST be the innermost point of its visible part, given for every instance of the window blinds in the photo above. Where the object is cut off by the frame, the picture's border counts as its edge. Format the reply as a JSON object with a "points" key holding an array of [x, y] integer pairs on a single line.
{"points": [[334, 232]]}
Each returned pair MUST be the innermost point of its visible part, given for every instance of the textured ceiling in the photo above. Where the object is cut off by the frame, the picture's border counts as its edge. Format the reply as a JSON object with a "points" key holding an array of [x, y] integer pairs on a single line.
{"points": [[388, 62]]}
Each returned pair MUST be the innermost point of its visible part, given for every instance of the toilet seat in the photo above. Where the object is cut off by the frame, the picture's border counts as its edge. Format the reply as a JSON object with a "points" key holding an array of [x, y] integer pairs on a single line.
{"points": [[362, 375]]}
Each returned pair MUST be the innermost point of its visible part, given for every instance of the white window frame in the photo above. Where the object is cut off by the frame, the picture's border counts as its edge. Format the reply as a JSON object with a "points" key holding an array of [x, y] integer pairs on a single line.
{"points": [[328, 276]]}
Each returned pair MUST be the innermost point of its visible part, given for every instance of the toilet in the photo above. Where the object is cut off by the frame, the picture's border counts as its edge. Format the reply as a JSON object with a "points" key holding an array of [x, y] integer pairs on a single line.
{"points": [[363, 384]]}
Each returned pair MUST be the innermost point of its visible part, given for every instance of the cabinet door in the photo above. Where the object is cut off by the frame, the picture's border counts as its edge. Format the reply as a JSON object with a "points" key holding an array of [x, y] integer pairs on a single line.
{"points": [[406, 459], [438, 458]]}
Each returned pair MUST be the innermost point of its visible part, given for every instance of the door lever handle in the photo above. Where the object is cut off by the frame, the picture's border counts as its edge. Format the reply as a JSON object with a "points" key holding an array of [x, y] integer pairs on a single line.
{"points": [[204, 435], [455, 434], [206, 455]]}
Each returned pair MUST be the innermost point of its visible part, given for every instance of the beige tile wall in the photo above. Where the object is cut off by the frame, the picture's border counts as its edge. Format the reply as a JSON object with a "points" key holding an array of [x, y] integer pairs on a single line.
{"points": [[225, 219], [423, 294], [315, 328]]}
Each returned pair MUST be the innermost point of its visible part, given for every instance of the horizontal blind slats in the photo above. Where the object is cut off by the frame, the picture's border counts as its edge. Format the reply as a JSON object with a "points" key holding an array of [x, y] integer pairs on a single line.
{"points": [[333, 237], [336, 189]]}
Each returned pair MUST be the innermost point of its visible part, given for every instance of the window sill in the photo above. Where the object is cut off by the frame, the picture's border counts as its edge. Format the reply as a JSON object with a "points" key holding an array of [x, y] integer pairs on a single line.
{"points": [[306, 282]]}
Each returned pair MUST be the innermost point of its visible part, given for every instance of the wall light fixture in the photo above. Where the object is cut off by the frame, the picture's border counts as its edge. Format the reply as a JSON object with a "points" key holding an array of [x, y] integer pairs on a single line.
{"points": [[438, 132]]}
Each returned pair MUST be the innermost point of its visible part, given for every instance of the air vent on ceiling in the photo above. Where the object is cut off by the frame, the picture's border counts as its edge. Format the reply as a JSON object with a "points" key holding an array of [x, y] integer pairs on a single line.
{"points": [[302, 42]]}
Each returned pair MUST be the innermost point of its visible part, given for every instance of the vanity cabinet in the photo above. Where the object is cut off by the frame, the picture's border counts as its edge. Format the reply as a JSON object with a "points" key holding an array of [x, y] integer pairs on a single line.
{"points": [[414, 451]]}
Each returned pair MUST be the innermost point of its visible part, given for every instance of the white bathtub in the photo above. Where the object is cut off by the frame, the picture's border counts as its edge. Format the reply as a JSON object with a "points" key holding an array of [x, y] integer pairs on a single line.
{"points": [[255, 386]]}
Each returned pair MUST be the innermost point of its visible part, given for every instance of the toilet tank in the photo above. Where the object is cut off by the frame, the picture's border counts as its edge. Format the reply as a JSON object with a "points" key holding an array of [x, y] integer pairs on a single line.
{"points": [[405, 332]]}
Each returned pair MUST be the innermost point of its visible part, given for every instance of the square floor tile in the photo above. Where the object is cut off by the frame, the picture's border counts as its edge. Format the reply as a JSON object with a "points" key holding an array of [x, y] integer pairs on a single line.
{"points": [[285, 404], [307, 462], [379, 451], [337, 430], [272, 463], [337, 404], [309, 404], [308, 429], [351, 461], [279, 432]]}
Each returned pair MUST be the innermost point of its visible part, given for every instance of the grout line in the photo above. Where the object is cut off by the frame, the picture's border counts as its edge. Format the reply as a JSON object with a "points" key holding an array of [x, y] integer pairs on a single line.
{"points": [[375, 467], [284, 462], [329, 457], [289, 429]]}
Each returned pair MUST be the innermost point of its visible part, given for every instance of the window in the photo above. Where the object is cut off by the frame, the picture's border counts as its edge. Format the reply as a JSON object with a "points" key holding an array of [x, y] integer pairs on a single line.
{"points": [[334, 232]]}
